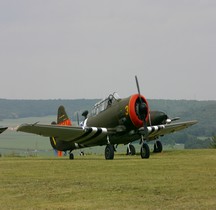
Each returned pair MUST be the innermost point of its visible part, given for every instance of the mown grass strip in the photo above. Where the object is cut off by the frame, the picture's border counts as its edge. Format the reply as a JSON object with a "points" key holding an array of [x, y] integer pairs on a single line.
{"points": [[170, 180]]}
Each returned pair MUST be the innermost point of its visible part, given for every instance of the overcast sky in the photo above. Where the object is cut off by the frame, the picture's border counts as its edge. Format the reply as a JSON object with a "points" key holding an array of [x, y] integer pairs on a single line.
{"points": [[70, 49]]}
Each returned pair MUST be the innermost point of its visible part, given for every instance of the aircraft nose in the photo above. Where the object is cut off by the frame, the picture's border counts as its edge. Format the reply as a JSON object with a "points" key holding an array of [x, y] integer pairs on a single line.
{"points": [[142, 111], [138, 110]]}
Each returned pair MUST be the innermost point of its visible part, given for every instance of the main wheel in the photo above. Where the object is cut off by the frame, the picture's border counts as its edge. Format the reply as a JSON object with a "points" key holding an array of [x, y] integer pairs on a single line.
{"points": [[109, 152], [132, 150], [158, 147], [145, 151]]}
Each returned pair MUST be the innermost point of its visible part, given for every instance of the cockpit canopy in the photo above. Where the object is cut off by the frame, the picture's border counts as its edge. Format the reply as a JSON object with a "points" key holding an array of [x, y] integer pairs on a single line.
{"points": [[105, 103]]}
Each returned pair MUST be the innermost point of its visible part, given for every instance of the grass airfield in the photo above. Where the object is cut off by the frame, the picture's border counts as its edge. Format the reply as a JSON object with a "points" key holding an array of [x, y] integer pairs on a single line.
{"points": [[183, 179]]}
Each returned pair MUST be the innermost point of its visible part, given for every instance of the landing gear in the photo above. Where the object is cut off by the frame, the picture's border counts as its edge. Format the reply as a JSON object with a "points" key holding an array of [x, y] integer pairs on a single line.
{"points": [[131, 149], [144, 151], [158, 147], [109, 152], [71, 156]]}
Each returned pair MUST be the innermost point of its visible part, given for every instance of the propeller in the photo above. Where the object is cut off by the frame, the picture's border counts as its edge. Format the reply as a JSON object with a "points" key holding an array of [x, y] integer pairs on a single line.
{"points": [[142, 110]]}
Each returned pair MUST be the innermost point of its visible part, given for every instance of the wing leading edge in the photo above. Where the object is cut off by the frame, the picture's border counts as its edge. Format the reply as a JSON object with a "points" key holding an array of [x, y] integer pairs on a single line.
{"points": [[161, 130]]}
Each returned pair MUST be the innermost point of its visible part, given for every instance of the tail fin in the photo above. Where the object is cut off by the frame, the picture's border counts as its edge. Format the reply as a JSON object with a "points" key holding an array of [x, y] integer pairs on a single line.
{"points": [[62, 118]]}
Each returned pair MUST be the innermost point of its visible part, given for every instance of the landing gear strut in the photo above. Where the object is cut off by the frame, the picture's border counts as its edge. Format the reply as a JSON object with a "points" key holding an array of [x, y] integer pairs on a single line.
{"points": [[131, 149]]}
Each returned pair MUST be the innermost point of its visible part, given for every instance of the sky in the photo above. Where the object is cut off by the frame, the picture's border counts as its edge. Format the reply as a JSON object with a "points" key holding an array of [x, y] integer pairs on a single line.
{"points": [[72, 49]]}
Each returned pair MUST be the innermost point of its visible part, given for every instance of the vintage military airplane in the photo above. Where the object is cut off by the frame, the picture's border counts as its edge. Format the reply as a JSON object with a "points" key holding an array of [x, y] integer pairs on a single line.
{"points": [[112, 121], [2, 129]]}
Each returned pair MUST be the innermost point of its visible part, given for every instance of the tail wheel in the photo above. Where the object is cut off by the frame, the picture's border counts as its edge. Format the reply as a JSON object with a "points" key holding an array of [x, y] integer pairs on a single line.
{"points": [[109, 152], [145, 151]]}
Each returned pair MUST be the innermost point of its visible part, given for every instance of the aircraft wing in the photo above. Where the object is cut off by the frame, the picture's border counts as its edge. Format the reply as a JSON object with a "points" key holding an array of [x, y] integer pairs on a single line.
{"points": [[2, 129], [65, 133], [93, 135], [161, 130]]}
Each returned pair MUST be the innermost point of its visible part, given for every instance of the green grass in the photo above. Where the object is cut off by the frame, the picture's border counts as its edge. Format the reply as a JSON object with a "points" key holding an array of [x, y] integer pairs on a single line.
{"points": [[184, 179]]}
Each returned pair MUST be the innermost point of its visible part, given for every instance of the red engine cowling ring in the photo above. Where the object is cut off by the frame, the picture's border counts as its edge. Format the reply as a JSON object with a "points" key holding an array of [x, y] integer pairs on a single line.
{"points": [[132, 110]]}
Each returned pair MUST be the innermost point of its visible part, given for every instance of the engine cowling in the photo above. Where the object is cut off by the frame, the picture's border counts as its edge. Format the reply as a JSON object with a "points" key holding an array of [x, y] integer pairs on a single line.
{"points": [[138, 110]]}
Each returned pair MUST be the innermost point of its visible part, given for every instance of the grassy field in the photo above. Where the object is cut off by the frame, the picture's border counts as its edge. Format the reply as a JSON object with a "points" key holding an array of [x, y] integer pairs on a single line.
{"points": [[183, 179]]}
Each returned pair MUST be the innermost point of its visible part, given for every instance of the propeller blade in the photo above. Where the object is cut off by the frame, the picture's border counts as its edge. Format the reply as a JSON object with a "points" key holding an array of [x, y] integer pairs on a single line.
{"points": [[137, 83], [142, 107], [138, 88], [145, 129]]}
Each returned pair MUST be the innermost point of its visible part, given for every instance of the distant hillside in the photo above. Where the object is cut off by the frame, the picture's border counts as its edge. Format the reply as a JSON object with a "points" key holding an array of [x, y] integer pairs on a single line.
{"points": [[203, 111], [13, 109]]}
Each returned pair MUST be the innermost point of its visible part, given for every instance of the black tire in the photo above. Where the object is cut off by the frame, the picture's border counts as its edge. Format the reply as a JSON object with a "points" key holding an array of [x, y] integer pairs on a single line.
{"points": [[109, 152], [132, 150], [158, 147], [71, 156], [145, 151]]}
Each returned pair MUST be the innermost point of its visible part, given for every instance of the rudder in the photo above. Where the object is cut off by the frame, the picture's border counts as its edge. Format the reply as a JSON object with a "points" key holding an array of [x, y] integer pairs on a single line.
{"points": [[62, 118]]}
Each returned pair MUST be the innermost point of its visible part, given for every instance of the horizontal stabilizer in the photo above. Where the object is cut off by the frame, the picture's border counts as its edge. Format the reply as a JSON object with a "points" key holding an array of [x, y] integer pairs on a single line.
{"points": [[2, 129]]}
